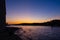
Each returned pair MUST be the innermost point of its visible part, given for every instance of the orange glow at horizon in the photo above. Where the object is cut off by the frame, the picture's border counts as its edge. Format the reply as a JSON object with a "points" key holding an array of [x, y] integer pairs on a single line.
{"points": [[26, 21]]}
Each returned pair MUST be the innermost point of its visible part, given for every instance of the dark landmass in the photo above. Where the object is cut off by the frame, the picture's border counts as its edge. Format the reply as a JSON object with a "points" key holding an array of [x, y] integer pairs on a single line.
{"points": [[7, 33], [7, 24], [49, 23]]}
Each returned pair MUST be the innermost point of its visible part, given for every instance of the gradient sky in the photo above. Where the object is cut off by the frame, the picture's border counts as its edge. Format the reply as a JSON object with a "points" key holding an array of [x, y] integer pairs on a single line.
{"points": [[29, 11]]}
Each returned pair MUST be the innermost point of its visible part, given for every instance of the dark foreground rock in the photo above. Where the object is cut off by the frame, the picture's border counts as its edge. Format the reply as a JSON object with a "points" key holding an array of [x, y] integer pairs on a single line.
{"points": [[8, 34]]}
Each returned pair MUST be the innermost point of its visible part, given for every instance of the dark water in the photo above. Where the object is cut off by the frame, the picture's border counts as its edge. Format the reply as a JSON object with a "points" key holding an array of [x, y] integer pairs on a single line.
{"points": [[38, 32]]}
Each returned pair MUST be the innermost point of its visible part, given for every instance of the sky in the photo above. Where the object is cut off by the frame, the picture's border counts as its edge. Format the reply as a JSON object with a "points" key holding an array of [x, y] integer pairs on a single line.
{"points": [[32, 11]]}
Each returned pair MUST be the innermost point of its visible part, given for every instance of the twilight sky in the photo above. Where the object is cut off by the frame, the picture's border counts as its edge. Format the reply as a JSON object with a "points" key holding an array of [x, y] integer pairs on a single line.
{"points": [[29, 11]]}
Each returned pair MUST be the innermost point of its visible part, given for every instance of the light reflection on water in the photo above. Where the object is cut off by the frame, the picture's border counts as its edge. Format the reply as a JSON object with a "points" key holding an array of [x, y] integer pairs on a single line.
{"points": [[38, 33]]}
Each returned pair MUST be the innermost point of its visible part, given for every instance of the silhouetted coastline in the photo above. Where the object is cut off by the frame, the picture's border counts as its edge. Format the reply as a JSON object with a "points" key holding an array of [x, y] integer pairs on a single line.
{"points": [[49, 23]]}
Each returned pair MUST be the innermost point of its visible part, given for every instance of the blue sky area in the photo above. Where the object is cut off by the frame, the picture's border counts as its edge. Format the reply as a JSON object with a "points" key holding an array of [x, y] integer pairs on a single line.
{"points": [[32, 10]]}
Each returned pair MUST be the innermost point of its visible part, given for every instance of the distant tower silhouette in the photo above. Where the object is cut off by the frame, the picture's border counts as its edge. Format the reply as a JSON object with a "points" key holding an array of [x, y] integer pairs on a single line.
{"points": [[2, 13]]}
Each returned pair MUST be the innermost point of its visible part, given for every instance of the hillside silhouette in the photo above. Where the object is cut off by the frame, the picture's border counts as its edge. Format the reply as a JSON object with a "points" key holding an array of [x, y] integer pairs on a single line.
{"points": [[49, 23]]}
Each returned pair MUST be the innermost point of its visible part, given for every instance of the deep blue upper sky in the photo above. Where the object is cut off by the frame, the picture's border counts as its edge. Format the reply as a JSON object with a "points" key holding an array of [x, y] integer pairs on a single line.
{"points": [[32, 9]]}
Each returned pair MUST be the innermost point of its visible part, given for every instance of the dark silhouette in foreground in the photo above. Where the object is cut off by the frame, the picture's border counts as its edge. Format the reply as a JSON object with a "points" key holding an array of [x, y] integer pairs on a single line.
{"points": [[49, 23], [6, 33]]}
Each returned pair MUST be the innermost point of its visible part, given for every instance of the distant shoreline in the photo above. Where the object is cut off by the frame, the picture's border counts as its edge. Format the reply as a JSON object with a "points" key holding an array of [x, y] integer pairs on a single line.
{"points": [[49, 23]]}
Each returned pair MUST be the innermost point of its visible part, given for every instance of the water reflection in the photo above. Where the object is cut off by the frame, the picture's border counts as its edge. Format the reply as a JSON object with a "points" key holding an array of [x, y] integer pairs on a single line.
{"points": [[38, 33]]}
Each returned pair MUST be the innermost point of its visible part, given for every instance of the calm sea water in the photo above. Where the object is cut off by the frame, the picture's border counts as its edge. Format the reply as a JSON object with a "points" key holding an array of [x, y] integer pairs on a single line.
{"points": [[38, 32]]}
